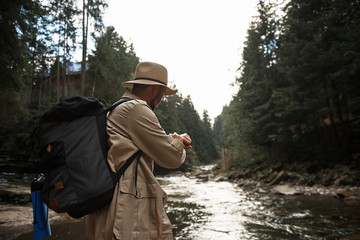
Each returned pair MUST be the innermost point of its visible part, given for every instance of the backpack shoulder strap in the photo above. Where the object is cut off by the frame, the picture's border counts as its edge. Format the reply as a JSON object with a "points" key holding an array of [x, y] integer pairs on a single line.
{"points": [[116, 176], [123, 168], [109, 109]]}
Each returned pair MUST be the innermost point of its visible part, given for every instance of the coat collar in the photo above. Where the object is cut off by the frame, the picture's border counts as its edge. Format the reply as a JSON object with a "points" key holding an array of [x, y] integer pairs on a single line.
{"points": [[130, 95]]}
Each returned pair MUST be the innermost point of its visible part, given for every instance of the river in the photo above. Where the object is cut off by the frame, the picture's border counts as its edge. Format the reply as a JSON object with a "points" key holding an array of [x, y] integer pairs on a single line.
{"points": [[221, 210], [209, 210]]}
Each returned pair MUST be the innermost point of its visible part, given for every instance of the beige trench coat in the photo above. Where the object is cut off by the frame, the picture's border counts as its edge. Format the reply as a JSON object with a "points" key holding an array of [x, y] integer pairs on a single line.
{"points": [[136, 212]]}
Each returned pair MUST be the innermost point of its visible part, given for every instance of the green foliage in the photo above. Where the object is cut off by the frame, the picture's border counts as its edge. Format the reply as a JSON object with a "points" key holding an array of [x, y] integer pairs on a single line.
{"points": [[62, 15], [112, 63], [318, 80], [94, 9], [16, 22], [203, 144], [210, 144], [168, 114], [36, 49], [299, 86], [177, 114], [16, 137], [249, 123]]}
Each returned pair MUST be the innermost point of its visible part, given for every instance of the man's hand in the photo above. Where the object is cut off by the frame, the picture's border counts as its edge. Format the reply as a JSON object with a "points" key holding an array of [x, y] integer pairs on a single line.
{"points": [[184, 138]]}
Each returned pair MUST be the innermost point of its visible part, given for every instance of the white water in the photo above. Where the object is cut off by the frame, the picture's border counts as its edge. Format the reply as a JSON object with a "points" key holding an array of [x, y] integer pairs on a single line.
{"points": [[209, 210], [223, 204]]}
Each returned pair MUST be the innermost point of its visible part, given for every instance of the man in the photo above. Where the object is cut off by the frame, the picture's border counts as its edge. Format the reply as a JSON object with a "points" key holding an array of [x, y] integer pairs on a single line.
{"points": [[136, 211]]}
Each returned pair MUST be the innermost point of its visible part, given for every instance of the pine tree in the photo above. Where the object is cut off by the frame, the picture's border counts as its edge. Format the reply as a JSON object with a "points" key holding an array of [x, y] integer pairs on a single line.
{"points": [[168, 114], [92, 9], [316, 67], [63, 13], [209, 139], [112, 63], [254, 102], [18, 25]]}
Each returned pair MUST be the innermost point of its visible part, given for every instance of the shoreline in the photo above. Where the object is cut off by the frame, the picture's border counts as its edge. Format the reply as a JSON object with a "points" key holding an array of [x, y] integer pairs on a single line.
{"points": [[16, 212], [278, 186], [18, 219], [17, 216]]}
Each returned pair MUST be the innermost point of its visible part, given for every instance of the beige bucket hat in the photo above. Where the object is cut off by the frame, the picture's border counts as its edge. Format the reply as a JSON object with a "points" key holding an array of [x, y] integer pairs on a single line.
{"points": [[150, 73]]}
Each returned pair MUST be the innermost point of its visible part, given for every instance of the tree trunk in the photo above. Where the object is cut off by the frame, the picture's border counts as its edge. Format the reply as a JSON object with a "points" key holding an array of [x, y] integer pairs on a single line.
{"points": [[58, 80], [65, 73], [49, 88], [342, 128], [65, 92], [40, 91], [84, 50], [93, 89]]}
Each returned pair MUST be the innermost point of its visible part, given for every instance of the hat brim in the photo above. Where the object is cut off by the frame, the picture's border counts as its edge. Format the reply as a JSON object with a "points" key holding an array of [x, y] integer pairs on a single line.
{"points": [[168, 90]]}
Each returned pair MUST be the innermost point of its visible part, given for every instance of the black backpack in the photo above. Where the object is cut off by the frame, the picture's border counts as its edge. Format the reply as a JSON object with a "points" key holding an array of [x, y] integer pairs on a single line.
{"points": [[73, 149]]}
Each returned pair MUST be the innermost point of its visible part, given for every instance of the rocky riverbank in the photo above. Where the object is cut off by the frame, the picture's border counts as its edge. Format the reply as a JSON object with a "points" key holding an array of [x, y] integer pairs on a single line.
{"points": [[16, 214], [278, 183]]}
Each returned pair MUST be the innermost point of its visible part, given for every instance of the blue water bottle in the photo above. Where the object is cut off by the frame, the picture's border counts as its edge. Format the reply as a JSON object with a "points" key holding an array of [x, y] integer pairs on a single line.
{"points": [[40, 210]]}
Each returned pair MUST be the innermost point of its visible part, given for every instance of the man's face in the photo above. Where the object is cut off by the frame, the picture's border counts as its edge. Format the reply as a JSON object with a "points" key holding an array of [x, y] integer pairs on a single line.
{"points": [[159, 93]]}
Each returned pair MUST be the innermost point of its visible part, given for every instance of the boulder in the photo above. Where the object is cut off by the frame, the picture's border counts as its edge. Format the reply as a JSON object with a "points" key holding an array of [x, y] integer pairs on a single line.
{"points": [[284, 190], [345, 192], [220, 178]]}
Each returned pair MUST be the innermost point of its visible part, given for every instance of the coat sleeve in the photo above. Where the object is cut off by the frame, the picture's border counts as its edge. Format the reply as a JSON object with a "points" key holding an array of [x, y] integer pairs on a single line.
{"points": [[147, 134]]}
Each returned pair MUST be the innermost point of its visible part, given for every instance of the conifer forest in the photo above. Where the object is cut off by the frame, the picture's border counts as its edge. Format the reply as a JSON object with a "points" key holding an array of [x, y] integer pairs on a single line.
{"points": [[299, 89]]}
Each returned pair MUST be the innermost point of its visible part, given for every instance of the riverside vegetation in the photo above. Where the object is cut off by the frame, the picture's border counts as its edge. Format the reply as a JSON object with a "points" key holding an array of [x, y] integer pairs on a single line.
{"points": [[297, 108], [295, 118], [16, 219]]}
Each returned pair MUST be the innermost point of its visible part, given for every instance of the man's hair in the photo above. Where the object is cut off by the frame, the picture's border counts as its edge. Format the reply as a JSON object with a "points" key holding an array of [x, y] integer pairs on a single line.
{"points": [[140, 86]]}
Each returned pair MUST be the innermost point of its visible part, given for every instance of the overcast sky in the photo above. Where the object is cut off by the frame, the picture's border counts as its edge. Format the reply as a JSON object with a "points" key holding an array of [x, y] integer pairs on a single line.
{"points": [[200, 42]]}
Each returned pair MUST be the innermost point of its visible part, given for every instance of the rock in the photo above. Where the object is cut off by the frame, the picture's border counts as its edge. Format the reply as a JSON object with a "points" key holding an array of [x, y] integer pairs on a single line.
{"points": [[284, 190], [220, 179], [260, 190], [198, 172], [204, 177], [246, 183], [345, 192], [188, 174]]}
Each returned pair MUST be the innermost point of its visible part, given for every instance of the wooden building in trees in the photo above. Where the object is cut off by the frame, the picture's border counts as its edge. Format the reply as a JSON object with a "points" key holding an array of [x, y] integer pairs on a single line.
{"points": [[55, 83]]}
